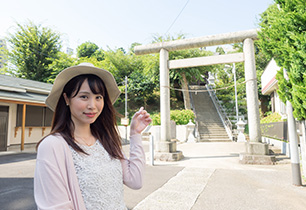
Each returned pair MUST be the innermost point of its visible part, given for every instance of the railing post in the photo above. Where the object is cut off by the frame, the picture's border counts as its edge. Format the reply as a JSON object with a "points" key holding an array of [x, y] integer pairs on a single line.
{"points": [[151, 150]]}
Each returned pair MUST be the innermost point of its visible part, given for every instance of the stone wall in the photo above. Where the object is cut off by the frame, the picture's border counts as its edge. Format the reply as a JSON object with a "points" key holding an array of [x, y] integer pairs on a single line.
{"points": [[276, 130]]}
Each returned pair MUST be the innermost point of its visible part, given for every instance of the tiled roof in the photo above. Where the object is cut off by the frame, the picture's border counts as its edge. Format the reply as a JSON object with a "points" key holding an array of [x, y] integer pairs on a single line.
{"points": [[25, 90]]}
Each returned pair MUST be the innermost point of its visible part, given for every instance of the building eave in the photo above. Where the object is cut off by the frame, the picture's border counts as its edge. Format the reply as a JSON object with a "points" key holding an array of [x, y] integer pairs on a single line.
{"points": [[270, 87]]}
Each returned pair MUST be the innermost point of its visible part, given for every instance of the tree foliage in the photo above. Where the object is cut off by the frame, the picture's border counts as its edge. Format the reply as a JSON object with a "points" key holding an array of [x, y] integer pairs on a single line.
{"points": [[226, 90], [3, 56], [142, 73], [182, 77], [33, 49], [141, 87], [90, 50], [225, 79], [121, 64], [283, 36], [61, 62], [86, 49]]}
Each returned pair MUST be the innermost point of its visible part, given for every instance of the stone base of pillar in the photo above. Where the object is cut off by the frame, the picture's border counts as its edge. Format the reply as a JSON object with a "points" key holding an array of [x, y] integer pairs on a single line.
{"points": [[257, 153], [166, 151], [257, 159], [256, 148], [166, 146], [173, 156]]}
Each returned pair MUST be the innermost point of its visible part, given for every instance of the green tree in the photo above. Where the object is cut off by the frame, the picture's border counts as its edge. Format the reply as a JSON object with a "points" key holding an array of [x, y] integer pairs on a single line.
{"points": [[62, 62], [140, 87], [185, 76], [86, 49], [225, 79], [92, 60], [133, 45], [141, 73], [3, 57], [220, 50], [283, 37], [121, 64], [99, 55], [33, 48]]}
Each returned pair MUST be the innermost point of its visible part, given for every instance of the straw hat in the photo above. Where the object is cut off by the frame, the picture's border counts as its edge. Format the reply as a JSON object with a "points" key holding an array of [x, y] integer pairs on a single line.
{"points": [[84, 68]]}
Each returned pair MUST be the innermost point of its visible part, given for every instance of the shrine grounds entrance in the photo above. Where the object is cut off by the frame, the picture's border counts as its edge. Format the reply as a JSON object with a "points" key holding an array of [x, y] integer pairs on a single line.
{"points": [[255, 150]]}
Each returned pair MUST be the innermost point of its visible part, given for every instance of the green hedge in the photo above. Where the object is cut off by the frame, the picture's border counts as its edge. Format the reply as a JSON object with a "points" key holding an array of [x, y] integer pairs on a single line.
{"points": [[272, 117], [181, 117]]}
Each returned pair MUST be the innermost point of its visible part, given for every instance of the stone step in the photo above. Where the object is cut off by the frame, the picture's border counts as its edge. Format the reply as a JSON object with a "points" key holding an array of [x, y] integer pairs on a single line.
{"points": [[215, 130], [212, 131], [210, 125], [214, 135], [213, 127], [212, 121], [215, 140], [204, 108]]}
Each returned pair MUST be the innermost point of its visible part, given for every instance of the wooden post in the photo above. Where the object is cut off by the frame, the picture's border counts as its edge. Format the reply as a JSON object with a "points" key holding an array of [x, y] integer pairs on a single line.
{"points": [[23, 127]]}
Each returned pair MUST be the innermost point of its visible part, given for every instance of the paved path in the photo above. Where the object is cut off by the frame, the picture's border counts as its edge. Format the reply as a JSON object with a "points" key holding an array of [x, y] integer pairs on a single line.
{"points": [[210, 177], [213, 179]]}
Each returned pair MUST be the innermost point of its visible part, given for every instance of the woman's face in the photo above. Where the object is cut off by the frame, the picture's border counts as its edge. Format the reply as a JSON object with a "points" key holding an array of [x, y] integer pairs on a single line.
{"points": [[86, 106]]}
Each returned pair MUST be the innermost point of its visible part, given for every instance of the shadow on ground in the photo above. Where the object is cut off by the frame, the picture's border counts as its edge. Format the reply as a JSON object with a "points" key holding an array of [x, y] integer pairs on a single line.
{"points": [[16, 194], [12, 158]]}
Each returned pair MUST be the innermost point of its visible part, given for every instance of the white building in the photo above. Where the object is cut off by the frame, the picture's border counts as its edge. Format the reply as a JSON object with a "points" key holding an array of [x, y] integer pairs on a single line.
{"points": [[270, 86], [24, 117]]}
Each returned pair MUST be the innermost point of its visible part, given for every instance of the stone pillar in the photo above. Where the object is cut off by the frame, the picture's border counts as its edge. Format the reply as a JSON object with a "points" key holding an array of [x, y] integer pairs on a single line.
{"points": [[256, 152], [251, 91], [164, 96], [166, 147]]}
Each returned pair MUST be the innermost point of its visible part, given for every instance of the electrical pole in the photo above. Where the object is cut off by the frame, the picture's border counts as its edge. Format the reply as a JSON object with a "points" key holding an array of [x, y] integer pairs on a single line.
{"points": [[293, 142], [236, 100], [126, 113]]}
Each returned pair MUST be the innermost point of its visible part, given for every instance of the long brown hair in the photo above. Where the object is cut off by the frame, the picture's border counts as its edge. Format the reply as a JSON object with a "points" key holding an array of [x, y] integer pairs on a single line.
{"points": [[104, 128]]}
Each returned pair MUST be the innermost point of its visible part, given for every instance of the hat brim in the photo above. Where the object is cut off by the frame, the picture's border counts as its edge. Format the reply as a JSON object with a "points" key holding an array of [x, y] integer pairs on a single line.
{"points": [[67, 74]]}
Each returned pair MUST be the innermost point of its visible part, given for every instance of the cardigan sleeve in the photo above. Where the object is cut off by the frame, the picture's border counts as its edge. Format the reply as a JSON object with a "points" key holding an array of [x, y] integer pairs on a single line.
{"points": [[50, 179], [133, 168]]}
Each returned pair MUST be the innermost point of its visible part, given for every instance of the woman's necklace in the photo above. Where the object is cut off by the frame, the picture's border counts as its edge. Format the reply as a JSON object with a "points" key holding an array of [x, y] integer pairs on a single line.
{"points": [[82, 140]]}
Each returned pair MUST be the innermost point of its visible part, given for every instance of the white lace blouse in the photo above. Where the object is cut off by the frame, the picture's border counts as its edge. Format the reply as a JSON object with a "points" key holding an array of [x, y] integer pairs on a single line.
{"points": [[100, 178]]}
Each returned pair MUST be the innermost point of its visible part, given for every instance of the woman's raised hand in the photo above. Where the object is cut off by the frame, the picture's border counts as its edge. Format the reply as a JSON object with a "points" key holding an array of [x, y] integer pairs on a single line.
{"points": [[140, 121]]}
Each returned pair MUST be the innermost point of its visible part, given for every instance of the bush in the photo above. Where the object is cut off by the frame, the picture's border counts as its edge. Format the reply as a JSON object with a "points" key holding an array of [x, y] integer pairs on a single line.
{"points": [[272, 117], [180, 117], [156, 119]]}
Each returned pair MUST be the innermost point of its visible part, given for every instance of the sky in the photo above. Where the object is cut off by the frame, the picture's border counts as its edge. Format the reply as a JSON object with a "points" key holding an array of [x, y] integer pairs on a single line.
{"points": [[119, 23]]}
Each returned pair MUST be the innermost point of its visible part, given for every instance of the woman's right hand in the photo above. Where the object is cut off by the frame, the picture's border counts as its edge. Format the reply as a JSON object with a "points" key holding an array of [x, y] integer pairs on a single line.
{"points": [[140, 121]]}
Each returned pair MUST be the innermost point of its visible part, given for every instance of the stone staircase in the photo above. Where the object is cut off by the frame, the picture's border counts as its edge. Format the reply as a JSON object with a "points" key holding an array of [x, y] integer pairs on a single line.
{"points": [[210, 126]]}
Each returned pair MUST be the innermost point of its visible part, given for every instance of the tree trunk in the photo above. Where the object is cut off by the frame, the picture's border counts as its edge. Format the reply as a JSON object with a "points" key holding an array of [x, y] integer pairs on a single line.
{"points": [[185, 93]]}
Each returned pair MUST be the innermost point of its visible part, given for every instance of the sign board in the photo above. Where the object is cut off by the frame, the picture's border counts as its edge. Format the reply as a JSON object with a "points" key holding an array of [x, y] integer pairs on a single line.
{"points": [[125, 121]]}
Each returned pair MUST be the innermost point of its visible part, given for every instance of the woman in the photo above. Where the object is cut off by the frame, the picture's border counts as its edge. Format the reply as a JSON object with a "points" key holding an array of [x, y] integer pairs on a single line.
{"points": [[80, 164]]}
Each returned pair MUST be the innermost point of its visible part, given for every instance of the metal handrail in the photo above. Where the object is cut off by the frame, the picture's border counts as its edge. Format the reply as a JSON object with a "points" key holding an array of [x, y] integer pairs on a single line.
{"points": [[225, 120]]}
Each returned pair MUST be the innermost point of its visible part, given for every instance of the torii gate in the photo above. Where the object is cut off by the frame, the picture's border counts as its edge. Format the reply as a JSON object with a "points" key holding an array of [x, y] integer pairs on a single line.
{"points": [[167, 149]]}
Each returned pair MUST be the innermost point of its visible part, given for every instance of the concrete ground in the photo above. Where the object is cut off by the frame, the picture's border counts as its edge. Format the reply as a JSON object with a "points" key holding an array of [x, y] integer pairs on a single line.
{"points": [[209, 177], [212, 178]]}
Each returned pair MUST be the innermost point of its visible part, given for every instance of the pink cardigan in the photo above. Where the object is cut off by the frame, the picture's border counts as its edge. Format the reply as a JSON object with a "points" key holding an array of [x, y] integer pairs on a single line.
{"points": [[56, 183]]}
